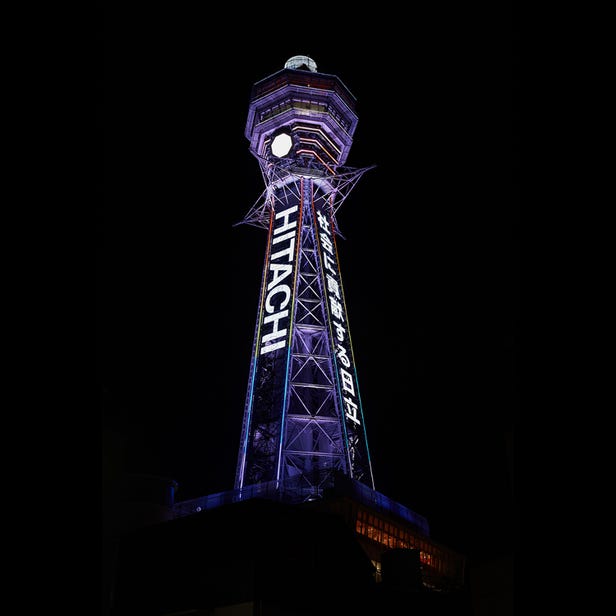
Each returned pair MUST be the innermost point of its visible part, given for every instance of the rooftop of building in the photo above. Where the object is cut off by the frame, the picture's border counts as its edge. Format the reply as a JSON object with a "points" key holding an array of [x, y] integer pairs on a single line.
{"points": [[343, 486]]}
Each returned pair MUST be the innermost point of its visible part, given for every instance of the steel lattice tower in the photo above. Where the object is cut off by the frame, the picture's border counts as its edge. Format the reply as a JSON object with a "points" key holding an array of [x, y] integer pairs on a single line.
{"points": [[303, 419]]}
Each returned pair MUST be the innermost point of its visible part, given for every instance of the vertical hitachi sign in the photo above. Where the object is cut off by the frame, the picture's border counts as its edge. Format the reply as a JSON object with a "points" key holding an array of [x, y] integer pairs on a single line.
{"points": [[278, 292]]}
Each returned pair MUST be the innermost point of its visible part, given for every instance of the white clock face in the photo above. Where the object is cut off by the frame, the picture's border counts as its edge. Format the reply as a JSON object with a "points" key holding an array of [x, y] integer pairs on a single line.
{"points": [[281, 145]]}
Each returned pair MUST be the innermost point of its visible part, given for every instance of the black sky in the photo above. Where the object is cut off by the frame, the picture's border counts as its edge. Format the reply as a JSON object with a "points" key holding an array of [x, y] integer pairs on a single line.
{"points": [[430, 263]]}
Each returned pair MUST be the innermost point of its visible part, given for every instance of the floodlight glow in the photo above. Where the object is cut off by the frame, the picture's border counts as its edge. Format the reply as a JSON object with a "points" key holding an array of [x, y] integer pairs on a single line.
{"points": [[281, 145]]}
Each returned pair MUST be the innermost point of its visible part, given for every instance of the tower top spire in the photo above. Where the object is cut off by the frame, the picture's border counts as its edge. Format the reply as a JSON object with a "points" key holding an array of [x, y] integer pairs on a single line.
{"points": [[301, 63]]}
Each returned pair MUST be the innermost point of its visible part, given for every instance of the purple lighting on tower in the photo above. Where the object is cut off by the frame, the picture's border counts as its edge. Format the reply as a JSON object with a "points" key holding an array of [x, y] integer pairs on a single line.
{"points": [[303, 418]]}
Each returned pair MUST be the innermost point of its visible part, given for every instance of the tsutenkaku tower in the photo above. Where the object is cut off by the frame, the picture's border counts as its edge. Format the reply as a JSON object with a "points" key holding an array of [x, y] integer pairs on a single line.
{"points": [[303, 418]]}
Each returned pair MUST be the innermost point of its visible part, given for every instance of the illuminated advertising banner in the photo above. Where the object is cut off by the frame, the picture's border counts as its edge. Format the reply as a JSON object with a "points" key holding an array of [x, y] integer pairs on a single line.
{"points": [[279, 281], [271, 361], [342, 352]]}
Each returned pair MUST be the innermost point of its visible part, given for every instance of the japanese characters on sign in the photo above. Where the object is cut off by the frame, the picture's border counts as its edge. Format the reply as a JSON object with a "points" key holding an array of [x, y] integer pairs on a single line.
{"points": [[340, 334]]}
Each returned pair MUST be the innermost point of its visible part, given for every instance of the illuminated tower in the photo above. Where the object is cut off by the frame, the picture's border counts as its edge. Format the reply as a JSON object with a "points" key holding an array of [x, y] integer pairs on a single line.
{"points": [[303, 419], [303, 430]]}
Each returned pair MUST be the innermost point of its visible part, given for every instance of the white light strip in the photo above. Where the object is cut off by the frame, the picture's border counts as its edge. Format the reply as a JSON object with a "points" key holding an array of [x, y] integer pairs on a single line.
{"points": [[318, 130], [315, 141]]}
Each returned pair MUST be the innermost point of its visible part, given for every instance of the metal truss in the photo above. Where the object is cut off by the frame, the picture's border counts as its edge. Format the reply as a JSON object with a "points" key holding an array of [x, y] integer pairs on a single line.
{"points": [[313, 448], [280, 180], [296, 429]]}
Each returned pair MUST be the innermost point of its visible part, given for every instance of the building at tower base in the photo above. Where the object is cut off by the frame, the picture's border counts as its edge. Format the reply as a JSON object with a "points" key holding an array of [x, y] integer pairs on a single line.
{"points": [[263, 557], [378, 524]]}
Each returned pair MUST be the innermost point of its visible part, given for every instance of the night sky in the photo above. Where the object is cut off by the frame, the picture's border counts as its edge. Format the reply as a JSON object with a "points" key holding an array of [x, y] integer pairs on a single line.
{"points": [[429, 264]]}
